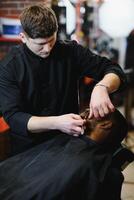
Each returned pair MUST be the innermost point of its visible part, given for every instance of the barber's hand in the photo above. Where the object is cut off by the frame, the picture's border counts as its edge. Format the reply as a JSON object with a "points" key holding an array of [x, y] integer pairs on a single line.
{"points": [[71, 124], [100, 103]]}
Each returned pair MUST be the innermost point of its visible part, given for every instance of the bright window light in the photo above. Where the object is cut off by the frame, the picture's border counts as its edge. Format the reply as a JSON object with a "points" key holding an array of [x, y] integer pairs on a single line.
{"points": [[70, 16], [116, 17]]}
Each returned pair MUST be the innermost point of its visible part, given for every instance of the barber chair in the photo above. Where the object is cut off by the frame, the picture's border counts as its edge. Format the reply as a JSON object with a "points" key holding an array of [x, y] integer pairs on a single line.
{"points": [[122, 157]]}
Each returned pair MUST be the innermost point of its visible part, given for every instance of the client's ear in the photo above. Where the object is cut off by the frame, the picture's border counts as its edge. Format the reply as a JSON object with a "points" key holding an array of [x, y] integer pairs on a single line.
{"points": [[107, 124]]}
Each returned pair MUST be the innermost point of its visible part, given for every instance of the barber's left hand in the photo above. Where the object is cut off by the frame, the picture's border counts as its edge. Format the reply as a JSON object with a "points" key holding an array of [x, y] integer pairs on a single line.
{"points": [[100, 103]]}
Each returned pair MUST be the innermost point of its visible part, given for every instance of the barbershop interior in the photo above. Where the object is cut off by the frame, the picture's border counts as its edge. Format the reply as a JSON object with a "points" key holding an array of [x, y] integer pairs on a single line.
{"points": [[106, 27]]}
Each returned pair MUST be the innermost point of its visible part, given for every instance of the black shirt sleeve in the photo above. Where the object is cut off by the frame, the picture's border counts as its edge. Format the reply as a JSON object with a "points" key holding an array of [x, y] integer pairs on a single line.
{"points": [[95, 66], [10, 101]]}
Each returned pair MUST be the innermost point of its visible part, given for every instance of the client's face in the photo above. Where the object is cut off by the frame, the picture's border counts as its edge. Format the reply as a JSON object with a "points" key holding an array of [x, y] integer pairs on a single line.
{"points": [[97, 130], [111, 129]]}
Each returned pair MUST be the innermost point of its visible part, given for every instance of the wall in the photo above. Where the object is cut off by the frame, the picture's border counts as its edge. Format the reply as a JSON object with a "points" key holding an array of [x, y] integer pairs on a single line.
{"points": [[14, 7]]}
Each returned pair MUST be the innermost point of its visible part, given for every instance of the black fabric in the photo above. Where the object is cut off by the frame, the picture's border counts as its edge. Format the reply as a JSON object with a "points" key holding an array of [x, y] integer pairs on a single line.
{"points": [[112, 185], [30, 85], [63, 168]]}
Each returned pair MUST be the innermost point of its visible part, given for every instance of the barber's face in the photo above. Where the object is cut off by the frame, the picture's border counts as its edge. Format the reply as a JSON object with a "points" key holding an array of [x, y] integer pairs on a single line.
{"points": [[40, 46]]}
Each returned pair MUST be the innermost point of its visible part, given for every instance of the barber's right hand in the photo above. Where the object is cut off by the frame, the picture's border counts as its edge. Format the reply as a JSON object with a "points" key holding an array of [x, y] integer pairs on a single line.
{"points": [[71, 124]]}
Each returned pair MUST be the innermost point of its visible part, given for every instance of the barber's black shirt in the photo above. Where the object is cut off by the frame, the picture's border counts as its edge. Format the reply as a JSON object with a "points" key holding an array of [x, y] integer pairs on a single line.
{"points": [[31, 85]]}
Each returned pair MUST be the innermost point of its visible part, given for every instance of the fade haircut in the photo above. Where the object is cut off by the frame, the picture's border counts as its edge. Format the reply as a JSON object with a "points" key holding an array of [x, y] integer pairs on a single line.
{"points": [[118, 130], [38, 21]]}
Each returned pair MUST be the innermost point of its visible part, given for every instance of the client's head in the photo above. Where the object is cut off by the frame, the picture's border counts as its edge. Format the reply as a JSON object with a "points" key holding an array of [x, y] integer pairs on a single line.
{"points": [[110, 129]]}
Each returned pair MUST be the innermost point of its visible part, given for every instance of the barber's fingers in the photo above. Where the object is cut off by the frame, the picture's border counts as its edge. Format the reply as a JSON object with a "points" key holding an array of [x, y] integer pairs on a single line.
{"points": [[108, 107], [90, 114], [77, 131], [111, 106], [77, 120], [106, 110], [75, 116], [94, 113], [101, 110]]}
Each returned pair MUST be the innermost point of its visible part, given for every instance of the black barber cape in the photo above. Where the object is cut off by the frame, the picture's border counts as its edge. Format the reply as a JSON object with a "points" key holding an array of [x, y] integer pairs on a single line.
{"points": [[63, 168]]}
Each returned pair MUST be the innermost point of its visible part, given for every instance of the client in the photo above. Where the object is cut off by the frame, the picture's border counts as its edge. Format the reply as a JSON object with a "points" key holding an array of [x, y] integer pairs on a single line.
{"points": [[109, 130], [67, 167]]}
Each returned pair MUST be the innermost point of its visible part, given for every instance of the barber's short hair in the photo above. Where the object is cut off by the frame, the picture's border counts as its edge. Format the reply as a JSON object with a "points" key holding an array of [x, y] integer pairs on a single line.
{"points": [[38, 21], [118, 130]]}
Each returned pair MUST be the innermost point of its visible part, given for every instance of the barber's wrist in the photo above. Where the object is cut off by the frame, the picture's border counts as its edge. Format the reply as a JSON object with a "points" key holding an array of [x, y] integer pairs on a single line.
{"points": [[102, 85]]}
